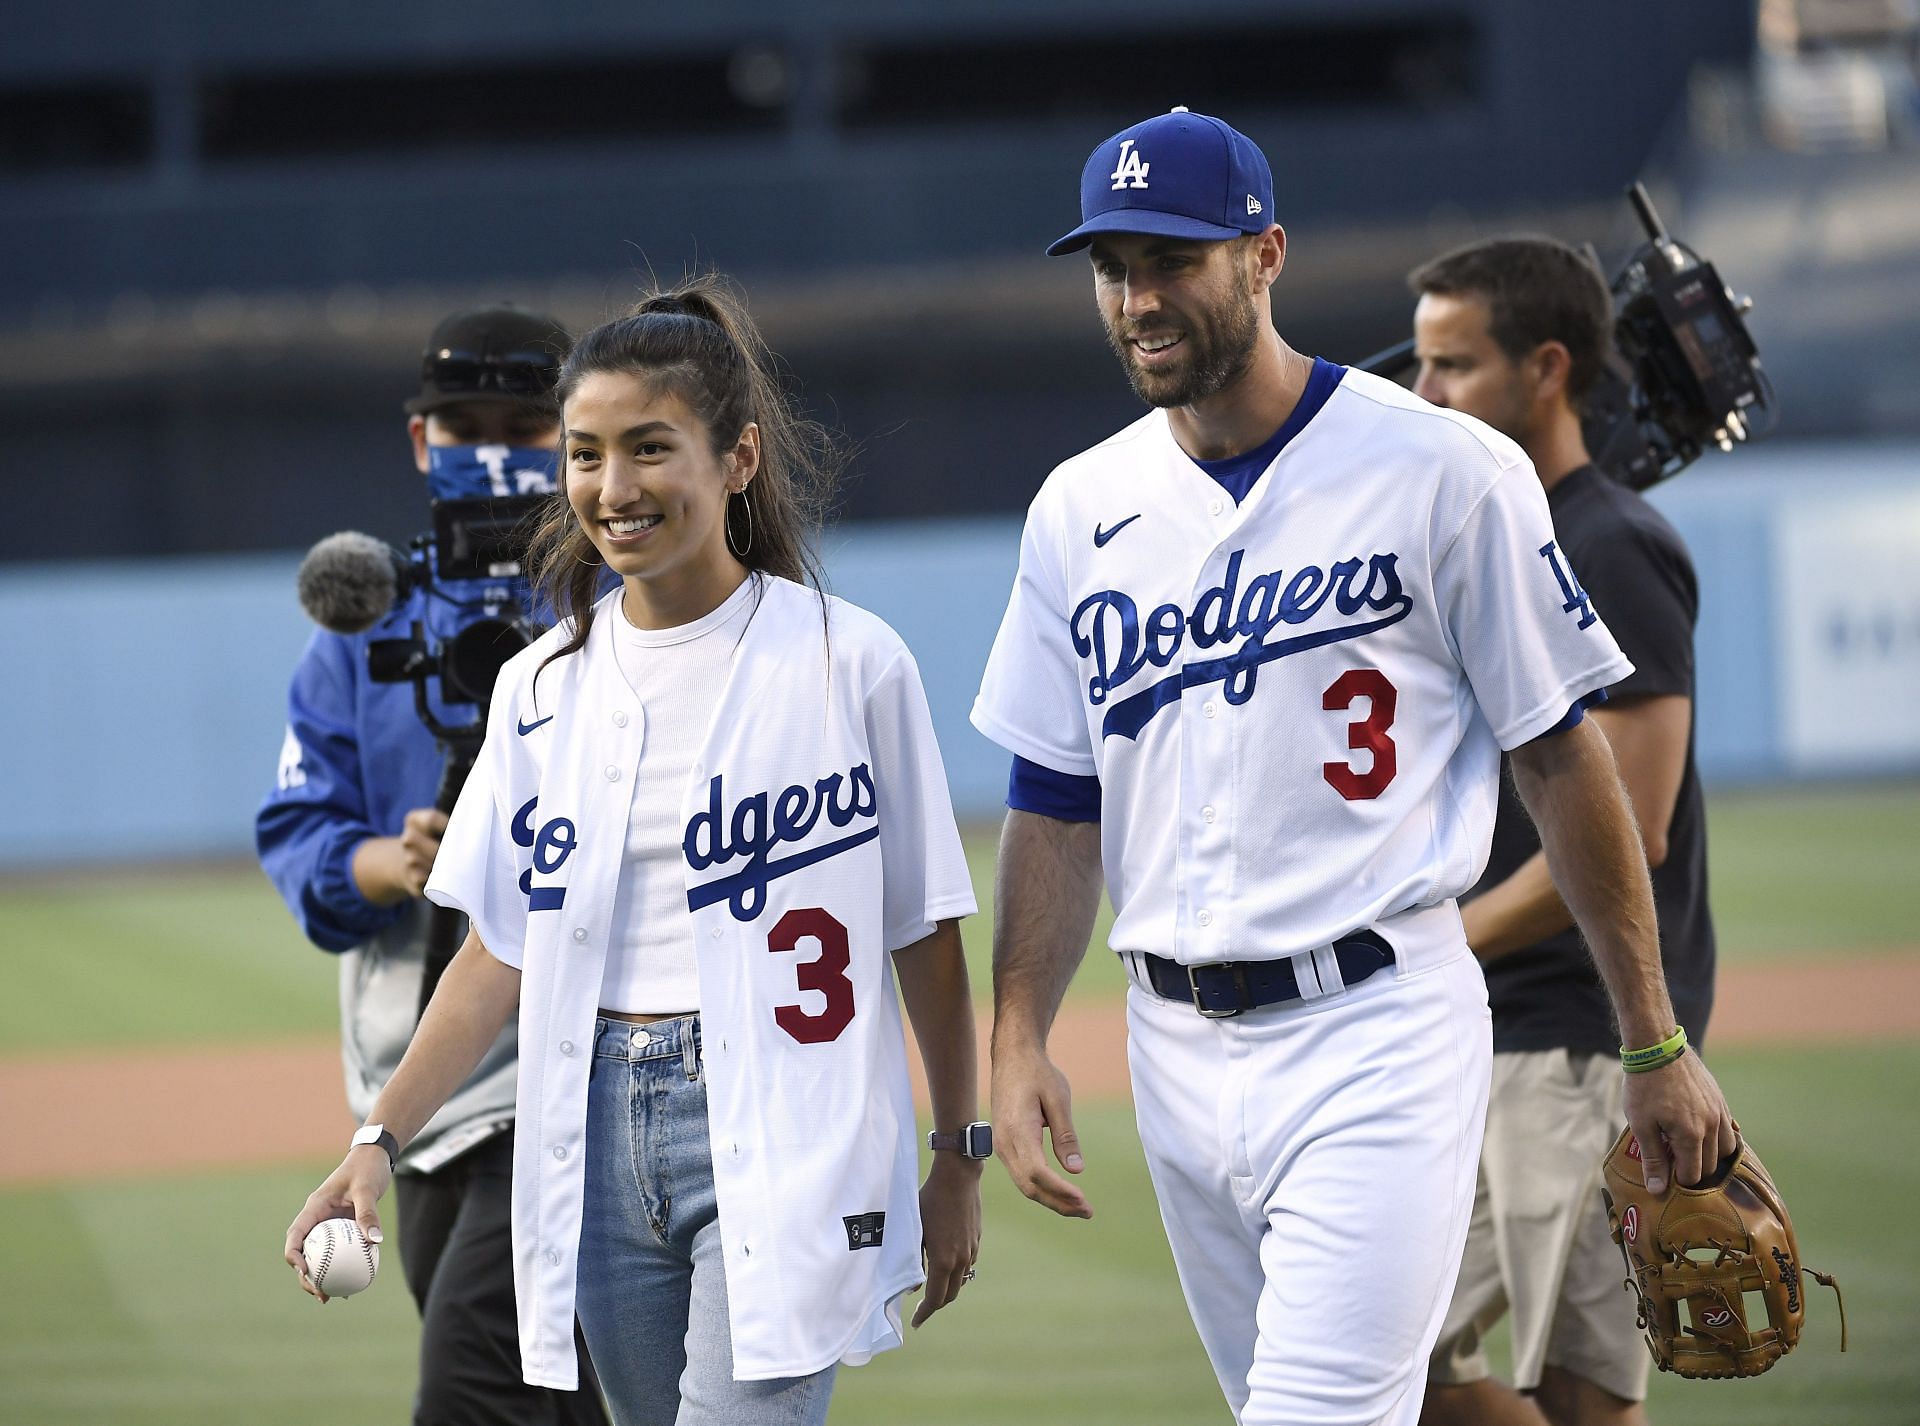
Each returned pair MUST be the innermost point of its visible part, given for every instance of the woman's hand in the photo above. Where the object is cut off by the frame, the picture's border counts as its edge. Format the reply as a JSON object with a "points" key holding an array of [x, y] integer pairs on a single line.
{"points": [[950, 1229], [351, 1191]]}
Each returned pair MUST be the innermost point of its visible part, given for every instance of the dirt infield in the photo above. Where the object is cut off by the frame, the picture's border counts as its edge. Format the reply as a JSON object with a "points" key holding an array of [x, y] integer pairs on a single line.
{"points": [[93, 1115]]}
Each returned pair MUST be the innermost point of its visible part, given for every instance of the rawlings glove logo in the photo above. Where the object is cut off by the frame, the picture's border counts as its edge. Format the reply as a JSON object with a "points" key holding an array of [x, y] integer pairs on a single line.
{"points": [[1789, 1278], [1715, 1267]]}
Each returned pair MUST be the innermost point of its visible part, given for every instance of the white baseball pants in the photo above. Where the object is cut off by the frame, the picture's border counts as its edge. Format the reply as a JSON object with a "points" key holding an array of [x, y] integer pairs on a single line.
{"points": [[1315, 1166]]}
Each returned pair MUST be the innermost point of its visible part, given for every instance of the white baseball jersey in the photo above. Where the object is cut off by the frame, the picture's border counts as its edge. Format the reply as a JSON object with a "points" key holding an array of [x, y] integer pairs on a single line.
{"points": [[1295, 705], [819, 837]]}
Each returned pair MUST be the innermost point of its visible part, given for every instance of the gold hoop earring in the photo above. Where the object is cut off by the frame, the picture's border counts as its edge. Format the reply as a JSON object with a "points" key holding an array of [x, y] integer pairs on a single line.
{"points": [[590, 564], [740, 552]]}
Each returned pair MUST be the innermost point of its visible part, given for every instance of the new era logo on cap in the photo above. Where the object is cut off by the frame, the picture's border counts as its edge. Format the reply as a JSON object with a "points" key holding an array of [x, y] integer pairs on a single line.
{"points": [[1178, 175]]}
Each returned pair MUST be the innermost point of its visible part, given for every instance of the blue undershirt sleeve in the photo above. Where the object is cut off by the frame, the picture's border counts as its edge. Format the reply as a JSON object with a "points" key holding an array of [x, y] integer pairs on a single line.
{"points": [[1577, 714], [1059, 795]]}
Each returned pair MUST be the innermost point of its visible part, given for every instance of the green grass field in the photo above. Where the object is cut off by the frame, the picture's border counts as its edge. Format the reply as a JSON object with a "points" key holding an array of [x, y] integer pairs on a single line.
{"points": [[182, 956], [1068, 1323]]}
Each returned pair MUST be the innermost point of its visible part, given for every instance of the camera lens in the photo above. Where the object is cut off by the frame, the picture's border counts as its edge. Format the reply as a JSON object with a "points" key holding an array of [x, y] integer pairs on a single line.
{"points": [[470, 662]]}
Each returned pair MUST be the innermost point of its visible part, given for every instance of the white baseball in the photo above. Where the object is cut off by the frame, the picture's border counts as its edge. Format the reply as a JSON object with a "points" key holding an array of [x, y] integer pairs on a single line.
{"points": [[340, 1260]]}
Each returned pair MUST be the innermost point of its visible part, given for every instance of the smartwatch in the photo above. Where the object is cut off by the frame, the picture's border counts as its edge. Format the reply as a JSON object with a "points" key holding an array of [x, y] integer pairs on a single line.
{"points": [[973, 1141], [377, 1134]]}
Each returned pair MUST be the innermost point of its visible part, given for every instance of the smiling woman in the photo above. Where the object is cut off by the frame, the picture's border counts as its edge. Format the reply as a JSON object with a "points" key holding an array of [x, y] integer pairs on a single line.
{"points": [[686, 464], [652, 496], [707, 836]]}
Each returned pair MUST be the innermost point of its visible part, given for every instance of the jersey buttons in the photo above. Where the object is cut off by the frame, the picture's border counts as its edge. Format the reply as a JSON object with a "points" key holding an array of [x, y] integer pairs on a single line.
{"points": [[619, 717], [613, 774], [560, 1151], [1207, 815], [1214, 507], [1209, 708], [1205, 918], [579, 933]]}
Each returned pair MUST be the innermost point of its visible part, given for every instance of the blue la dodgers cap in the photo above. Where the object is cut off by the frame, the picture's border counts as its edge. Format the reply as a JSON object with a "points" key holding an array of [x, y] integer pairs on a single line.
{"points": [[1178, 175]]}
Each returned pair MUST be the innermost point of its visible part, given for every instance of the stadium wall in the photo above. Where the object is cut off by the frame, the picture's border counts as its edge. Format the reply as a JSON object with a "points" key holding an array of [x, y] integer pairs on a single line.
{"points": [[146, 699]]}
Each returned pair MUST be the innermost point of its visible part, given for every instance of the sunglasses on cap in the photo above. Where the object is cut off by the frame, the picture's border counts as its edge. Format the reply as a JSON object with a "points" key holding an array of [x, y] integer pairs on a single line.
{"points": [[523, 372]]}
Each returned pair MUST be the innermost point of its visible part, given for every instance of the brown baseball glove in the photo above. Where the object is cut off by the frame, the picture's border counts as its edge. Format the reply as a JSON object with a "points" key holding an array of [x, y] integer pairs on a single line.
{"points": [[1716, 1267]]}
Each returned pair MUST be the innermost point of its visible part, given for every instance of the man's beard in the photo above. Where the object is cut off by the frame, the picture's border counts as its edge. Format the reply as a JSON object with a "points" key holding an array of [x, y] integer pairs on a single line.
{"points": [[1218, 352]]}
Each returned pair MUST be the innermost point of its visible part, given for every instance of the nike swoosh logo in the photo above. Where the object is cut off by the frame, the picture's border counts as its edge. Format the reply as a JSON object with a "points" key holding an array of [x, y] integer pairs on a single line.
{"points": [[526, 728], [1100, 536]]}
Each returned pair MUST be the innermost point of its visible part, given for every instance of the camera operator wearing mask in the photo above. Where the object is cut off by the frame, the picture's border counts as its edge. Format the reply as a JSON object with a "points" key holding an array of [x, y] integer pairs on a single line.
{"points": [[1516, 331], [349, 835]]}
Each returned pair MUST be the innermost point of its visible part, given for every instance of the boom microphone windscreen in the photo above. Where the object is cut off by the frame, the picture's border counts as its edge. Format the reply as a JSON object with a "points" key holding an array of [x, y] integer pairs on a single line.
{"points": [[349, 581]]}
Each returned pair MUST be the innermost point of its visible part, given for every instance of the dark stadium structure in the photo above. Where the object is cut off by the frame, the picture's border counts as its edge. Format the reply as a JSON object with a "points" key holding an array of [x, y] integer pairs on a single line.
{"points": [[225, 239]]}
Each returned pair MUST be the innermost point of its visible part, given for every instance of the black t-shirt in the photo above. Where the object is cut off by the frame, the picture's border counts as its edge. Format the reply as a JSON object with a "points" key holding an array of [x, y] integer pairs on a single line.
{"points": [[1637, 570]]}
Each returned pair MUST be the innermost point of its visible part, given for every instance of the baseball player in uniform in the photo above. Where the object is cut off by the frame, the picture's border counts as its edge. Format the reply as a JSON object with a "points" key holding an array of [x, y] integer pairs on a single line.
{"points": [[1515, 331], [1262, 654], [707, 849], [348, 835]]}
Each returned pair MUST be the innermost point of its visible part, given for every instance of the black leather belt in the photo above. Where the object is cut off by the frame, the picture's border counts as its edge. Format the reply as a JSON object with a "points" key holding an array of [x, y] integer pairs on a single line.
{"points": [[1220, 989]]}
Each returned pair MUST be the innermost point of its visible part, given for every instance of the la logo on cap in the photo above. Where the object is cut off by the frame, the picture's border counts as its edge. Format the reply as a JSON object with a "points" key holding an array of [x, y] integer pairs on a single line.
{"points": [[1180, 175], [1131, 172]]}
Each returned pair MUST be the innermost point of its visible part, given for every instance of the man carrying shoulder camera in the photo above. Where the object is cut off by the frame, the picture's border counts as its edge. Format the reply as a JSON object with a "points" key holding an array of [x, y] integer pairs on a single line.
{"points": [[1517, 332], [348, 836]]}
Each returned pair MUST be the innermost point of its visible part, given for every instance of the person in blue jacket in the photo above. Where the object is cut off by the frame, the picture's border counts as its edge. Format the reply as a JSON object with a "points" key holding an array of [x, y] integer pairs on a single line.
{"points": [[348, 836]]}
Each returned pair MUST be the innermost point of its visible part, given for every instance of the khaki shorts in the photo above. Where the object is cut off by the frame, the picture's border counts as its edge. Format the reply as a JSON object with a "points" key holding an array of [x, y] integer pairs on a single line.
{"points": [[1538, 1244]]}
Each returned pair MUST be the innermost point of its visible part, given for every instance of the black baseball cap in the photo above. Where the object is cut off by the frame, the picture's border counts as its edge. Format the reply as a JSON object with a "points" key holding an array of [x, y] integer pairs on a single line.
{"points": [[501, 354]]}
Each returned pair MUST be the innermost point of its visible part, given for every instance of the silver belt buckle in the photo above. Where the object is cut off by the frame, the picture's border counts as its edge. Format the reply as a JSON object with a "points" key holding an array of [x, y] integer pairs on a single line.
{"points": [[1206, 1014]]}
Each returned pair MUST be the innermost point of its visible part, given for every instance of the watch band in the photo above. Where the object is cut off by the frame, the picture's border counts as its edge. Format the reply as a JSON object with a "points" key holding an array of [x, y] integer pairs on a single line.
{"points": [[379, 1134], [970, 1141]]}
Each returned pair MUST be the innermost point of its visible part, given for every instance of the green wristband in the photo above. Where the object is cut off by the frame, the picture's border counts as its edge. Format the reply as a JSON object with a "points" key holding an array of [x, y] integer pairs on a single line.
{"points": [[1655, 1056]]}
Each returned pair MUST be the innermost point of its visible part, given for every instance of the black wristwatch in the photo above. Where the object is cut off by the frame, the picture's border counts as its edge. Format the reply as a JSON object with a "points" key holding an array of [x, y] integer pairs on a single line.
{"points": [[379, 1134], [973, 1141]]}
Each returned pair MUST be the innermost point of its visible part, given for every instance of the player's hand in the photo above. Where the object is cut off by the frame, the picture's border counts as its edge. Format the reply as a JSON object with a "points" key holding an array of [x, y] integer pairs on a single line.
{"points": [[1682, 1121], [950, 1229], [351, 1191], [1032, 1100], [419, 845]]}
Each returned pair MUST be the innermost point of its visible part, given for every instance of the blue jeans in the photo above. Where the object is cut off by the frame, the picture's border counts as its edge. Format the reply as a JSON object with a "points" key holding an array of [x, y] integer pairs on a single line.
{"points": [[652, 1290]]}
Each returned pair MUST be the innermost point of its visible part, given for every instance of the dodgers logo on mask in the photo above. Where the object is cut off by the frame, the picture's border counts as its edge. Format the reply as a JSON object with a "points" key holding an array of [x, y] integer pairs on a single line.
{"points": [[489, 471], [751, 828], [553, 842], [1107, 628]]}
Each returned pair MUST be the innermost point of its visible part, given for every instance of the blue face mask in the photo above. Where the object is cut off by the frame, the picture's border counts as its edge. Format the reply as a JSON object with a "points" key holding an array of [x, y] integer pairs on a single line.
{"points": [[480, 472]]}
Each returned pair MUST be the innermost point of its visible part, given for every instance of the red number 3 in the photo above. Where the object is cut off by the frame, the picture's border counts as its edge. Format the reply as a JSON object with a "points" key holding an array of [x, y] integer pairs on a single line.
{"points": [[1368, 734], [826, 973]]}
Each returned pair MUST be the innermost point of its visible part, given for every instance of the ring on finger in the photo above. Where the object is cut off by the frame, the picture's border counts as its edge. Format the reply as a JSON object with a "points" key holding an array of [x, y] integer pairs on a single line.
{"points": [[967, 1276]]}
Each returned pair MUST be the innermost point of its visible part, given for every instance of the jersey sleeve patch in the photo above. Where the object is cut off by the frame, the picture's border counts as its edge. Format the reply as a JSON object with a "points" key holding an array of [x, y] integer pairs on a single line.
{"points": [[1525, 631]]}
